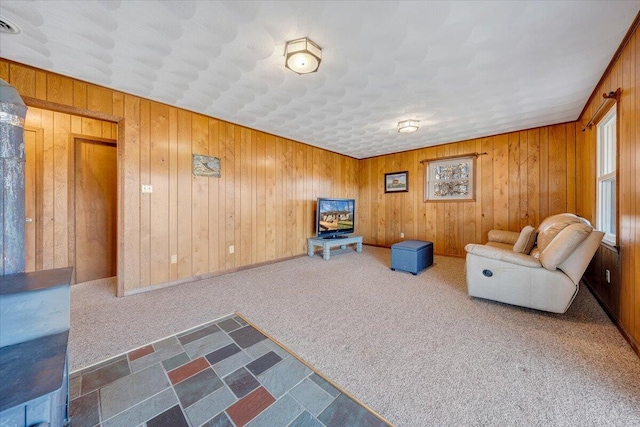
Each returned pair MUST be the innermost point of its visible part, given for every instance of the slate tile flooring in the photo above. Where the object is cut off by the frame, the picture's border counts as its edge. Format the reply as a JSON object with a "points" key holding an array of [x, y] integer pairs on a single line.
{"points": [[222, 374]]}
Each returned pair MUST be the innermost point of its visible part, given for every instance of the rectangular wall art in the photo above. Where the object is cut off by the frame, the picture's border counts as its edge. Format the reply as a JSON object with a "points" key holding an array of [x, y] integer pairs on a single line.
{"points": [[206, 166], [451, 179], [396, 182]]}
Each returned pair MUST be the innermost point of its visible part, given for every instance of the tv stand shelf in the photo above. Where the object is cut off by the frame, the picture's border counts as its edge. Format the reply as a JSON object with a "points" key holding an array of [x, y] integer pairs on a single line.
{"points": [[327, 244]]}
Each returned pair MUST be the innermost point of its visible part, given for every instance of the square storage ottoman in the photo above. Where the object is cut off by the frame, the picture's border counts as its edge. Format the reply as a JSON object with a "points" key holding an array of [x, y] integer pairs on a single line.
{"points": [[411, 255]]}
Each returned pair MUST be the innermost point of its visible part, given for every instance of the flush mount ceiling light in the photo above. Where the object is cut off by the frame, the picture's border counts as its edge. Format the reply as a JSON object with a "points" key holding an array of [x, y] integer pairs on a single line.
{"points": [[302, 56], [408, 126]]}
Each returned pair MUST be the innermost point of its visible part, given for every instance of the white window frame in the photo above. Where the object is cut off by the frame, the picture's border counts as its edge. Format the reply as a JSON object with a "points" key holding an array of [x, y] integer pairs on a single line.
{"points": [[606, 171]]}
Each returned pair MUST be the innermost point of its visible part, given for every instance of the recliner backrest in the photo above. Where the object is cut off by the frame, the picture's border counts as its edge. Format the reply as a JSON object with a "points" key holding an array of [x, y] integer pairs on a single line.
{"points": [[551, 226], [567, 242], [563, 244]]}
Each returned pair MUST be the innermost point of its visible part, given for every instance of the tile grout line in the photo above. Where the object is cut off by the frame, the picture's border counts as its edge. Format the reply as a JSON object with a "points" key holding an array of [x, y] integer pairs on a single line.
{"points": [[267, 339], [224, 384], [318, 372], [148, 398], [124, 353], [171, 386]]}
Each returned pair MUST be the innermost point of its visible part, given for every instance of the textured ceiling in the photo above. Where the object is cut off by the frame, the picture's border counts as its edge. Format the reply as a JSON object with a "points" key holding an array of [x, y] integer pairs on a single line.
{"points": [[464, 69]]}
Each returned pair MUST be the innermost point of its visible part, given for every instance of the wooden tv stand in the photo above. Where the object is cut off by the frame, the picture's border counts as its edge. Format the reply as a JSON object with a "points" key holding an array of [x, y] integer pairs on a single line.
{"points": [[328, 243]]}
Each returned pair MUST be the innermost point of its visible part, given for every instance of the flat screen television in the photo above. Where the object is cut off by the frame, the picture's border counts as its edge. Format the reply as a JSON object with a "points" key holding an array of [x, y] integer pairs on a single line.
{"points": [[335, 217]]}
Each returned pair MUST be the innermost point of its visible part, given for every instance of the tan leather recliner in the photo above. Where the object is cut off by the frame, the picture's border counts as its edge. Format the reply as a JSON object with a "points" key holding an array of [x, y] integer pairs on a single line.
{"points": [[547, 277]]}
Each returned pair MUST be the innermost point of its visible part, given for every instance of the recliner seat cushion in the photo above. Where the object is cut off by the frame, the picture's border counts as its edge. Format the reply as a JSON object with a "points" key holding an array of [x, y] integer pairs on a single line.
{"points": [[526, 240]]}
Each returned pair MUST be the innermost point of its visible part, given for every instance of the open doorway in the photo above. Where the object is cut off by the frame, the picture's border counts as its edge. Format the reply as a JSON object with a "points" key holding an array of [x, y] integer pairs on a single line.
{"points": [[71, 194], [95, 211]]}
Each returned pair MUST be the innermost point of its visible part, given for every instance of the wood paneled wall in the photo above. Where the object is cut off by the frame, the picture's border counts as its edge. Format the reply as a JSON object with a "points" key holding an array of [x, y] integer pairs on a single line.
{"points": [[623, 302], [53, 140], [263, 204], [524, 177]]}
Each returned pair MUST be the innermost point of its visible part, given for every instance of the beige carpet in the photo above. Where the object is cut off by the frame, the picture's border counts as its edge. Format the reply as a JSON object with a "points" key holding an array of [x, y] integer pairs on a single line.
{"points": [[417, 349]]}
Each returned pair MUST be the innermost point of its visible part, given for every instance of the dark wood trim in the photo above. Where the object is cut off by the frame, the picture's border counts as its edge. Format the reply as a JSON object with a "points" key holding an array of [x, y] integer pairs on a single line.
{"points": [[623, 44], [455, 156], [635, 346], [61, 108]]}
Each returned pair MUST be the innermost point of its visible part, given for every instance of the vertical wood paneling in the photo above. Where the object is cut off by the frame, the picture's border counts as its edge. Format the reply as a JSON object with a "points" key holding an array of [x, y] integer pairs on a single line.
{"points": [[523, 180], [635, 303], [533, 177], [145, 199], [469, 224], [557, 169], [260, 197], [61, 131], [80, 94], [23, 79], [184, 229], [514, 184], [501, 182], [229, 170], [30, 206], [4, 71], [622, 296], [214, 191], [199, 199], [544, 172], [159, 199], [511, 189], [173, 192], [48, 192], [270, 189], [244, 208], [571, 167], [130, 278], [485, 186], [431, 214], [59, 89]]}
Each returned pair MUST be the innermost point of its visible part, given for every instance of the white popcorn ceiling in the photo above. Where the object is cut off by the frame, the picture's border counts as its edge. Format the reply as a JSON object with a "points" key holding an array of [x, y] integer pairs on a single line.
{"points": [[464, 69]]}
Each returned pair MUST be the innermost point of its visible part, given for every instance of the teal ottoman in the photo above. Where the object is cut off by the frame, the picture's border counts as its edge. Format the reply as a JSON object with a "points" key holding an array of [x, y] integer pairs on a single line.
{"points": [[412, 256]]}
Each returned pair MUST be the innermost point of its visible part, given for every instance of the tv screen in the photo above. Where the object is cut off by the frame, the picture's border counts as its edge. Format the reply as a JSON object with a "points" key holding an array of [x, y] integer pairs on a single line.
{"points": [[335, 217]]}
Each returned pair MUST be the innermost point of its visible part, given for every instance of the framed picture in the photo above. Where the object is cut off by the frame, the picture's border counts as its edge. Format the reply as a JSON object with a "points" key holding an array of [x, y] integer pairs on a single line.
{"points": [[450, 179], [396, 182], [206, 166]]}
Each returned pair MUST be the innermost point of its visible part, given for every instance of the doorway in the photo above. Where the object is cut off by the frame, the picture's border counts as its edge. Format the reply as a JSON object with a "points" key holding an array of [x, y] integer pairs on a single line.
{"points": [[33, 140], [95, 208], [67, 148]]}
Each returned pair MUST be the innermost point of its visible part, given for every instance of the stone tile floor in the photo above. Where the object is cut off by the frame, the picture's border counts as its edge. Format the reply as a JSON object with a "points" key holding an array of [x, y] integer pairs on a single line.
{"points": [[224, 373]]}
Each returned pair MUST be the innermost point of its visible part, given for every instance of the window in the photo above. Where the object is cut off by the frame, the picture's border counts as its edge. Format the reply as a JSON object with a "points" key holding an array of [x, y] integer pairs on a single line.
{"points": [[606, 172]]}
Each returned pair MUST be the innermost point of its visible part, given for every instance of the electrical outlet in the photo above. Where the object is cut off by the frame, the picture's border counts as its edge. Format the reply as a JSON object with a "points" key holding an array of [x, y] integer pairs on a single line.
{"points": [[232, 249], [402, 235], [607, 275], [147, 188], [174, 259]]}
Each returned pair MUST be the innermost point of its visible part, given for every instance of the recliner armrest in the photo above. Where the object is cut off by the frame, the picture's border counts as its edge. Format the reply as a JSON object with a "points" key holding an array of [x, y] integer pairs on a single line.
{"points": [[503, 236], [503, 255]]}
